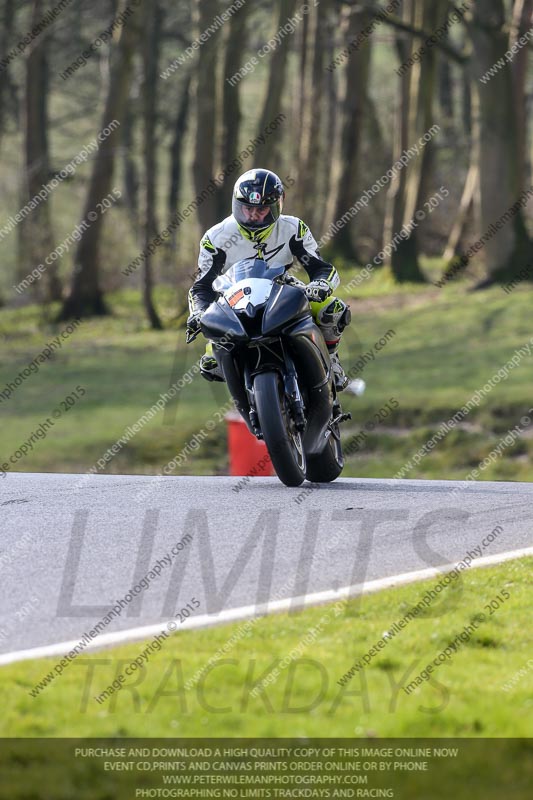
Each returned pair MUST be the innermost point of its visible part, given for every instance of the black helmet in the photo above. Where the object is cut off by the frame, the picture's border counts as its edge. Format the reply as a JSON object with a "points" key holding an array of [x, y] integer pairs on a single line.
{"points": [[257, 200]]}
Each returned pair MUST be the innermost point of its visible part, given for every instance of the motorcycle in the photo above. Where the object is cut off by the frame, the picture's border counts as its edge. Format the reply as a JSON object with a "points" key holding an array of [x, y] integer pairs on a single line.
{"points": [[277, 368]]}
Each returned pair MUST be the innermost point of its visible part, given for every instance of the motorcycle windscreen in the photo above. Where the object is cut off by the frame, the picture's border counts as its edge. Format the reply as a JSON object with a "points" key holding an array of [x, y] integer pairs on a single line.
{"points": [[286, 304], [244, 270], [219, 322], [248, 295]]}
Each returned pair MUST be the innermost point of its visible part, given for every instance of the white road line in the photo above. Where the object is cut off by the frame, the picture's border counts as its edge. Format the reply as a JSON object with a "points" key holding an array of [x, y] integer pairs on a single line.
{"points": [[250, 612]]}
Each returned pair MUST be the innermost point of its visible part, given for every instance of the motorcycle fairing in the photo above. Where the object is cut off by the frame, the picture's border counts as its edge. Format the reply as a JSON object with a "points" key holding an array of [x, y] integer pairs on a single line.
{"points": [[220, 322], [285, 305]]}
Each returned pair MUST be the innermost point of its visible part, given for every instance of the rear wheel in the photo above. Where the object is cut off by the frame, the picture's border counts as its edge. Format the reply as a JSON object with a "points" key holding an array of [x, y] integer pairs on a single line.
{"points": [[283, 441], [327, 465]]}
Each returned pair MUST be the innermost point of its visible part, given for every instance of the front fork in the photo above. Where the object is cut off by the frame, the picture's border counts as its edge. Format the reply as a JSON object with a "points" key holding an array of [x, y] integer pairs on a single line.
{"points": [[292, 392]]}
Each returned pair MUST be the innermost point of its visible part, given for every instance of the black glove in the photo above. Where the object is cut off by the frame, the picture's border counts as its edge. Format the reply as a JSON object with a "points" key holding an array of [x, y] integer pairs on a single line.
{"points": [[193, 322], [318, 291]]}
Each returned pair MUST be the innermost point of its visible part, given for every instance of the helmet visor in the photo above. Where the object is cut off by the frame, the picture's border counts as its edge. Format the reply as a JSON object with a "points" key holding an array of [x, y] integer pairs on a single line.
{"points": [[255, 217]]}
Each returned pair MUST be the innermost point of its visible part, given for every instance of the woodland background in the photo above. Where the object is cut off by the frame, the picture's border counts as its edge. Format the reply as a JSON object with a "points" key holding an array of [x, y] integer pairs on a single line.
{"points": [[340, 110], [348, 116]]}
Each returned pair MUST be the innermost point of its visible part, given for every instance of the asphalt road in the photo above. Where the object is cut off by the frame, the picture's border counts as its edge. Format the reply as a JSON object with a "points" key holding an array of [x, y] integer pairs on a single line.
{"points": [[71, 546]]}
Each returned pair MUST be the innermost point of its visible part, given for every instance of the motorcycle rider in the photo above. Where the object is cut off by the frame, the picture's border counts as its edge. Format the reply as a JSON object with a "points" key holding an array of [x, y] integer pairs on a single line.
{"points": [[258, 229]]}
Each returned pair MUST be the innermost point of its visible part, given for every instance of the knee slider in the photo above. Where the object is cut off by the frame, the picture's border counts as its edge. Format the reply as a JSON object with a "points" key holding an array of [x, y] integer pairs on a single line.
{"points": [[336, 314], [346, 318]]}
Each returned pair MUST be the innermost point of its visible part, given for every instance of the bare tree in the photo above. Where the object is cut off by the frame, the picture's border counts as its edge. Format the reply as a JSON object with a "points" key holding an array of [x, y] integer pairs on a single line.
{"points": [[130, 171], [353, 106], [446, 93], [311, 175], [522, 14], [86, 296], [5, 41], [330, 103], [496, 145], [267, 153], [177, 153], [206, 114], [231, 111], [152, 42], [462, 217], [415, 118], [36, 234]]}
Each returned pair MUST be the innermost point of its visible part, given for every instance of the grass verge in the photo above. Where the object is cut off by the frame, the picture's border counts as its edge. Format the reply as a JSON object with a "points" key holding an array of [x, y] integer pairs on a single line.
{"points": [[446, 345], [483, 690]]}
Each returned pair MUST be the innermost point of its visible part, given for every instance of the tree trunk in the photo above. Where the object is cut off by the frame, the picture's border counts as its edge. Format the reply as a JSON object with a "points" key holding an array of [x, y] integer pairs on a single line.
{"points": [[453, 248], [301, 111], [6, 39], [446, 93], [36, 229], [311, 176], [231, 112], [151, 50], [331, 104], [303, 80], [268, 152], [86, 296], [131, 176], [496, 139], [466, 104], [176, 156], [523, 11], [352, 111], [206, 115], [407, 192]]}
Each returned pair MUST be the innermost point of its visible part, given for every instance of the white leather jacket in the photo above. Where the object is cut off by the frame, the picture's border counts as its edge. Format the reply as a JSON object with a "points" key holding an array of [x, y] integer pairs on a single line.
{"points": [[226, 243]]}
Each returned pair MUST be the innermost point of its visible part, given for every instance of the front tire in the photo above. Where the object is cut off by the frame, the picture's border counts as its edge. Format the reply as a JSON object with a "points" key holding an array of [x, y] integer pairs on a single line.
{"points": [[283, 441]]}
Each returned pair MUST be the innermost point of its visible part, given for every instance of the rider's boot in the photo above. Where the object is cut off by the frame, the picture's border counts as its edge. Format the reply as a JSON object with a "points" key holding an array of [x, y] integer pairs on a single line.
{"points": [[209, 366], [341, 378], [332, 317]]}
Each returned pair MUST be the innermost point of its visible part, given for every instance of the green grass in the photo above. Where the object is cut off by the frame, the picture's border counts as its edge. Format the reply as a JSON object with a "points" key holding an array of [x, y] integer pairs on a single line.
{"points": [[447, 344], [305, 698], [123, 366]]}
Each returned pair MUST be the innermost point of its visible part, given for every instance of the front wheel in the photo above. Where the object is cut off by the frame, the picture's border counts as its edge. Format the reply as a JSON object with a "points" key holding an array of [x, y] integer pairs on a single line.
{"points": [[283, 441]]}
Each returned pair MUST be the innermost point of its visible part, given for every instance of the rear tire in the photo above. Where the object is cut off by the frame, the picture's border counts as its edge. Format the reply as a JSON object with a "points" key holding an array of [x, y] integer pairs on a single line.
{"points": [[283, 442], [327, 465]]}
